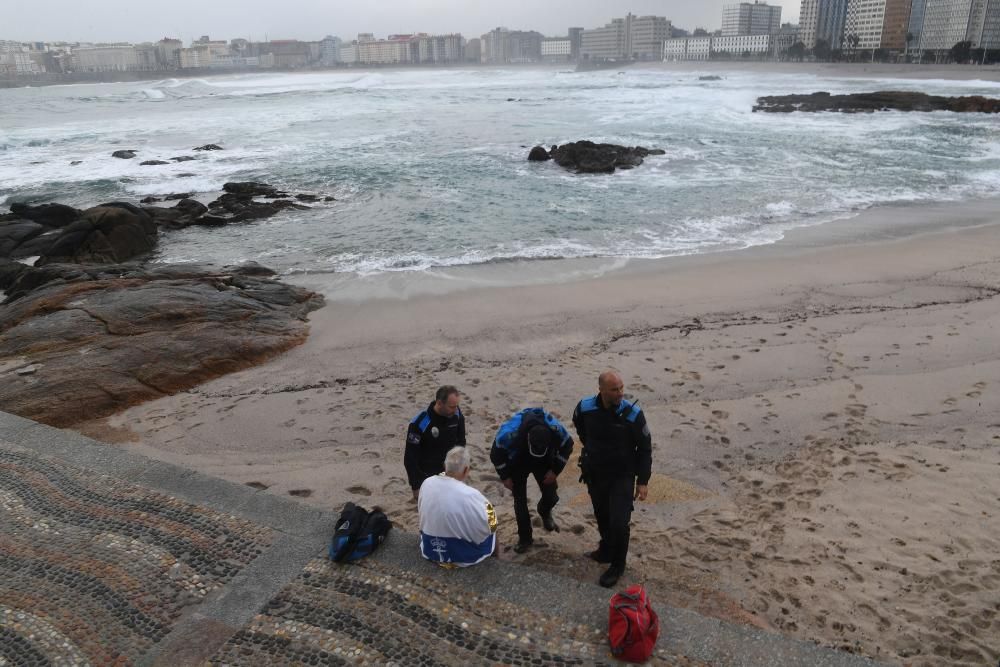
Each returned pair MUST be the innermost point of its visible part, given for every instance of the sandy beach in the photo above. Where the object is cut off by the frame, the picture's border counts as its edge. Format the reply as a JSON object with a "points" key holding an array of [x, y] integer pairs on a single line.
{"points": [[824, 413]]}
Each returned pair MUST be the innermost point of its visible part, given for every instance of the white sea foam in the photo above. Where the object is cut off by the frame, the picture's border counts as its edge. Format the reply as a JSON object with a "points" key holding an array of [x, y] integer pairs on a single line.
{"points": [[429, 166]]}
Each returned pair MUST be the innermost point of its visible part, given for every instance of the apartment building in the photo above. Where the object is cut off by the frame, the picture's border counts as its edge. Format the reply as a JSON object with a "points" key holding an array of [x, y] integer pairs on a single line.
{"points": [[687, 48], [947, 22], [742, 44], [648, 35], [503, 46], [437, 49], [822, 20], [556, 49], [745, 18], [611, 42], [392, 51], [106, 58], [639, 37], [866, 21]]}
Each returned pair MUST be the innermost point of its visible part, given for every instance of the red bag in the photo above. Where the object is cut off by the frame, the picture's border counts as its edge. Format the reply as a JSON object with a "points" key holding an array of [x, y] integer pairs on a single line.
{"points": [[633, 626]]}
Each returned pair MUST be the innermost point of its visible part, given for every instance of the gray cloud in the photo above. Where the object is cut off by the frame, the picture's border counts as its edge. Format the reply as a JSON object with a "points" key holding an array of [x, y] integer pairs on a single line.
{"points": [[128, 20]]}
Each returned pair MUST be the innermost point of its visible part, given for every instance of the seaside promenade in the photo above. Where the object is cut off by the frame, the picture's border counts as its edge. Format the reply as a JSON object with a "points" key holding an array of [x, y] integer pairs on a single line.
{"points": [[107, 557]]}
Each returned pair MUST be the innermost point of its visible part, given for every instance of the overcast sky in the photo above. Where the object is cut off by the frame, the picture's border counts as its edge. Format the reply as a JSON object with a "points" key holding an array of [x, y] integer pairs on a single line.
{"points": [[150, 20]]}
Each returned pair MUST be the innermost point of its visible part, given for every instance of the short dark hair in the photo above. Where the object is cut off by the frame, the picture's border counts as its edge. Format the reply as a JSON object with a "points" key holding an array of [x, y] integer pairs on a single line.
{"points": [[444, 392]]}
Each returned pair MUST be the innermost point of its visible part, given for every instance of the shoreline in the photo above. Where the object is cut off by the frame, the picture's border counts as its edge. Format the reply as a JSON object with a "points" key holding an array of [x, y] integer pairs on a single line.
{"points": [[872, 225], [954, 72], [823, 418]]}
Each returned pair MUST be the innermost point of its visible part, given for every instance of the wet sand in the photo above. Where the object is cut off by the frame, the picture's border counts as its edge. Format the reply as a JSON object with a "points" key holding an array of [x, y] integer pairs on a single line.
{"points": [[824, 412]]}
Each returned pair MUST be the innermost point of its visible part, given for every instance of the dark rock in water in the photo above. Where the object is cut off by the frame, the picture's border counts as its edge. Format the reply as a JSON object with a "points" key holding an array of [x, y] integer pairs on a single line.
{"points": [[124, 155], [184, 213], [75, 162], [886, 100], [710, 77], [152, 163], [308, 198], [50, 215], [177, 195], [328, 198], [208, 147], [106, 234], [183, 158], [586, 157], [252, 189], [147, 333], [233, 207], [185, 175], [149, 200], [539, 154], [191, 207]]}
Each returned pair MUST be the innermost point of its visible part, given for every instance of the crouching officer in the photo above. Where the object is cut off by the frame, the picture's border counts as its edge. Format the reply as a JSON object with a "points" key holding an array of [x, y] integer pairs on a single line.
{"points": [[532, 442], [431, 435], [615, 460]]}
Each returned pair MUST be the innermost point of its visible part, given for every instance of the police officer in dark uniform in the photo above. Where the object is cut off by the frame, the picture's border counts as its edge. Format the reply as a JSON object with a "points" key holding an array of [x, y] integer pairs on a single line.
{"points": [[531, 443], [431, 435], [615, 460]]}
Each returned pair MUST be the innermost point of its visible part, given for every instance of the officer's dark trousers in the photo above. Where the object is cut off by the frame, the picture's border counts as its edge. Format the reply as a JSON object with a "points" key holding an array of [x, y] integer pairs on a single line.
{"points": [[520, 491], [612, 500]]}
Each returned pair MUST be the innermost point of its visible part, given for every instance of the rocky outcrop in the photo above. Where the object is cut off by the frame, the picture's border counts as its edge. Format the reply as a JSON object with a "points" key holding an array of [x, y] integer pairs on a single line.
{"points": [[124, 154], [208, 147], [82, 342], [152, 163], [887, 100], [107, 234], [238, 204], [49, 215], [538, 154], [586, 157]]}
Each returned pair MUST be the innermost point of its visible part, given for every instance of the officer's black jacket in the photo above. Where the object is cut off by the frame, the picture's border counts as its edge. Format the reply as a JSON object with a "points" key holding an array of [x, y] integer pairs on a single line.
{"points": [[615, 442], [428, 439]]}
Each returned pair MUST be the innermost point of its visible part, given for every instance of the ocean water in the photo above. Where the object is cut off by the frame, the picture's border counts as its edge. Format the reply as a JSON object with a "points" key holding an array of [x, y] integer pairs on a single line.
{"points": [[429, 166]]}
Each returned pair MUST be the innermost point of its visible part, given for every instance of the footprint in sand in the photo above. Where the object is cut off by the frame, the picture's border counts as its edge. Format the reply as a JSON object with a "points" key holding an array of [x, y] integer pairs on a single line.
{"points": [[258, 485], [369, 455], [300, 493], [395, 484], [357, 490], [377, 470]]}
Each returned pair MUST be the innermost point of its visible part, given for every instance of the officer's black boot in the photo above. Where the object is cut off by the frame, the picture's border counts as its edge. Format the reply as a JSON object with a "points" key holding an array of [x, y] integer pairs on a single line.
{"points": [[612, 575]]}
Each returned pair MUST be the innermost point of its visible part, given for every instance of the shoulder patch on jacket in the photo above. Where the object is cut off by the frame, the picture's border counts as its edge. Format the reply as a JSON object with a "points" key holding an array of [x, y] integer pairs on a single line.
{"points": [[422, 421], [588, 404]]}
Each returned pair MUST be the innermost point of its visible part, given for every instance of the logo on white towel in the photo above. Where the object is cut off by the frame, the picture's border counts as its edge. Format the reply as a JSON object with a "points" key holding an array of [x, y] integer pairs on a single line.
{"points": [[440, 547]]}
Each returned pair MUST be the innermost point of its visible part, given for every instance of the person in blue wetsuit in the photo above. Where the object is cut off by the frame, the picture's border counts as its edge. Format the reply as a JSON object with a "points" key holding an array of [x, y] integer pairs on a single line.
{"points": [[616, 460], [532, 442]]}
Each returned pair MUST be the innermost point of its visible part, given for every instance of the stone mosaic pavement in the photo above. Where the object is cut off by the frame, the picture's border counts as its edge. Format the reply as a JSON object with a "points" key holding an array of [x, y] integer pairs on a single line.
{"points": [[109, 558]]}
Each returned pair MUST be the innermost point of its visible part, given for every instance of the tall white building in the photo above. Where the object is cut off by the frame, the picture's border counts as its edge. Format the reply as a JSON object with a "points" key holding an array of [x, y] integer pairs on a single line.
{"points": [[112, 58], [640, 37], [945, 24], [745, 18], [688, 48], [865, 20]]}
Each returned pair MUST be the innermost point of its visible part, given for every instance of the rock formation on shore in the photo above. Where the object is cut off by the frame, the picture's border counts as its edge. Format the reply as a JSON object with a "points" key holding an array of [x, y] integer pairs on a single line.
{"points": [[119, 232], [886, 100], [79, 342], [84, 332], [586, 157]]}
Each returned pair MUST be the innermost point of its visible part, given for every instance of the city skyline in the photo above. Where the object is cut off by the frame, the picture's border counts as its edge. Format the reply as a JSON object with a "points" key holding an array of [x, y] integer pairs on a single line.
{"points": [[121, 21]]}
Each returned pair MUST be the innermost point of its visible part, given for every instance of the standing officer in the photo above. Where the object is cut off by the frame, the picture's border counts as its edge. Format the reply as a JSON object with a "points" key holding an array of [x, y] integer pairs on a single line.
{"points": [[615, 460], [431, 435], [532, 442]]}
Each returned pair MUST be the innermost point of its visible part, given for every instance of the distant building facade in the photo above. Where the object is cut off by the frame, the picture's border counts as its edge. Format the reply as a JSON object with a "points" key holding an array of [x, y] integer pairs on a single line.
{"points": [[746, 18], [556, 49], [755, 45], [822, 20], [639, 37], [688, 48], [502, 46]]}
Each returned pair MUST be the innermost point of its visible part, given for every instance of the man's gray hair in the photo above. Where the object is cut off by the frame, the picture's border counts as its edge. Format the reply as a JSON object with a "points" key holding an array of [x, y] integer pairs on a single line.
{"points": [[457, 460]]}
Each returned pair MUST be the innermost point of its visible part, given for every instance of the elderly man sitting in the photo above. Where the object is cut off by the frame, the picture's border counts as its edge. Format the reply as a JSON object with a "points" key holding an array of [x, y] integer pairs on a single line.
{"points": [[457, 523]]}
